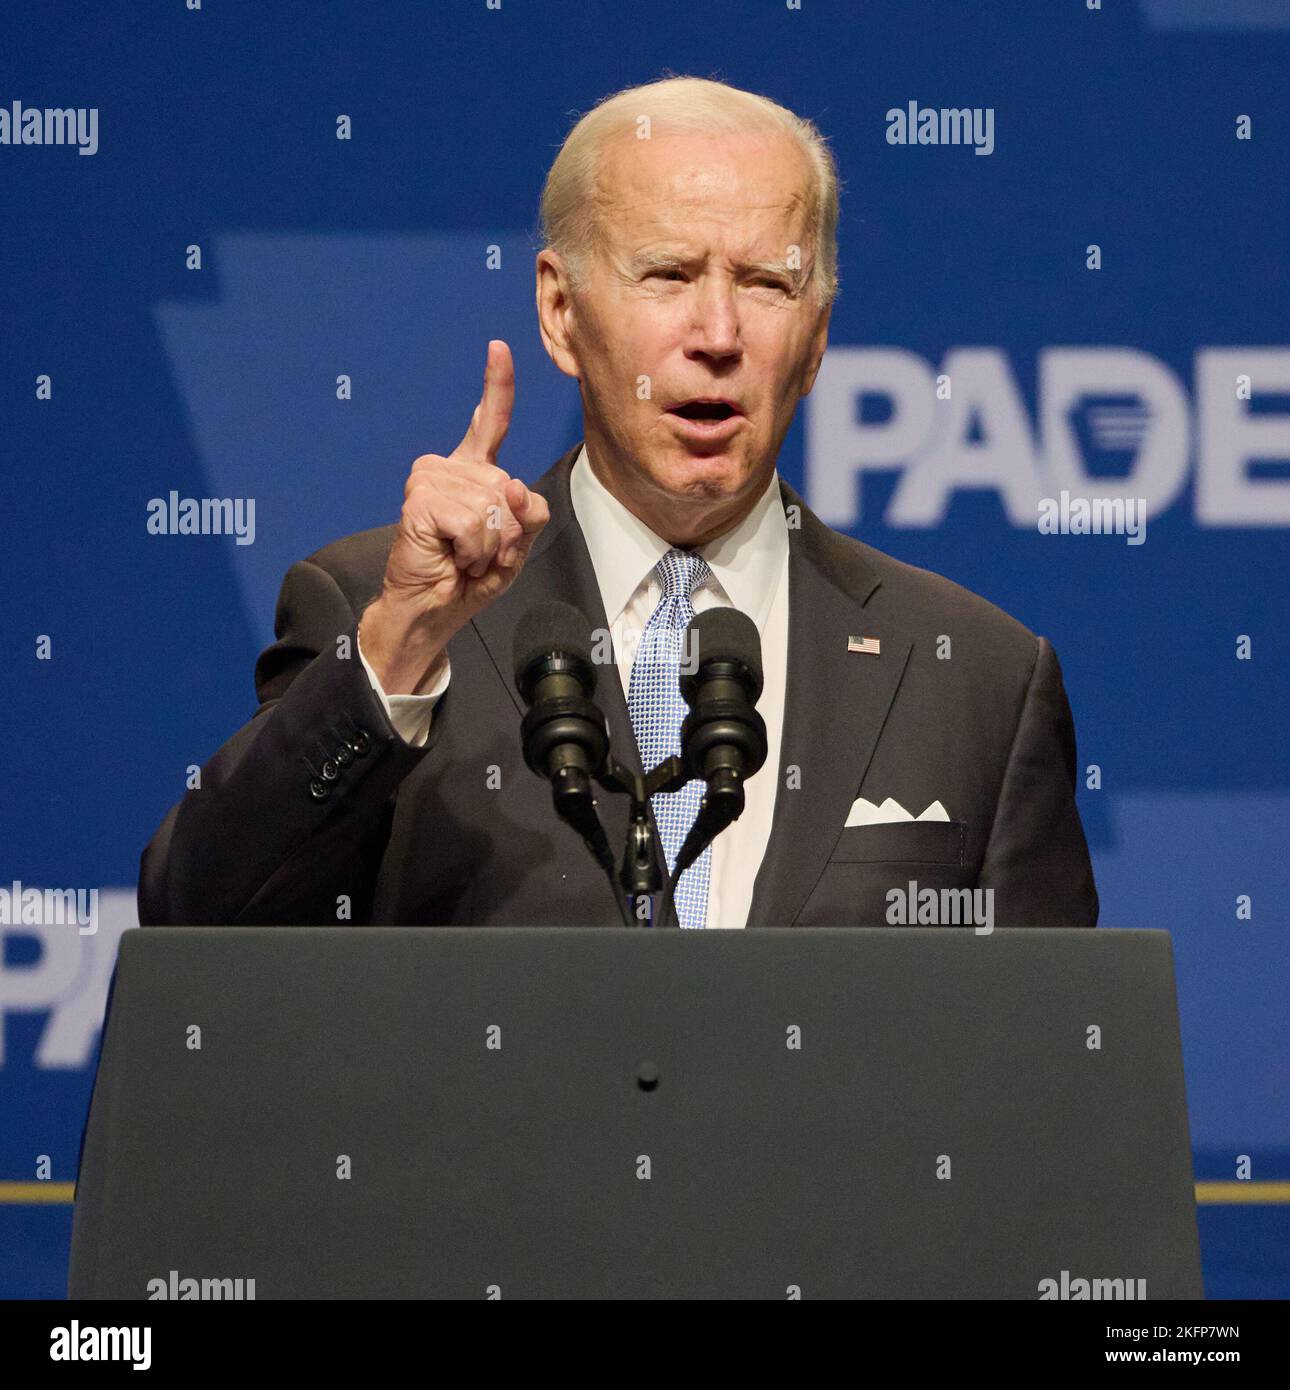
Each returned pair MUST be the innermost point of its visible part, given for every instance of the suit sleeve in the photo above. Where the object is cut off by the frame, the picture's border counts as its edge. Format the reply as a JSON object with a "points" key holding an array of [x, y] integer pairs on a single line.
{"points": [[1036, 858], [292, 815]]}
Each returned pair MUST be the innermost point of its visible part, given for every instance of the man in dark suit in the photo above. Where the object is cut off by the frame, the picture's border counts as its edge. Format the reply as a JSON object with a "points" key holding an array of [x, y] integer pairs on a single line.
{"points": [[920, 739]]}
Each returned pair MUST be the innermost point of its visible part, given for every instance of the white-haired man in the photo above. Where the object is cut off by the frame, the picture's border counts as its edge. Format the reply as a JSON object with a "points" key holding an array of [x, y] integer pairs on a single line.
{"points": [[686, 282]]}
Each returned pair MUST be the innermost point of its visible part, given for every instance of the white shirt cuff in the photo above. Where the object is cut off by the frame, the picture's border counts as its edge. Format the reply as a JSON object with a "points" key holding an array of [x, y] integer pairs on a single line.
{"points": [[410, 714]]}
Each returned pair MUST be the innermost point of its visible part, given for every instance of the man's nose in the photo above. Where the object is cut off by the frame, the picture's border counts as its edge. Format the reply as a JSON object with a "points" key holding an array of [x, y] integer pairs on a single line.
{"points": [[714, 327]]}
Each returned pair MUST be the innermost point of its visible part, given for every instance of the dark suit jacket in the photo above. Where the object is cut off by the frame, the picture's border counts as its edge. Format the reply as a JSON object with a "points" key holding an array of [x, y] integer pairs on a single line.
{"points": [[318, 802]]}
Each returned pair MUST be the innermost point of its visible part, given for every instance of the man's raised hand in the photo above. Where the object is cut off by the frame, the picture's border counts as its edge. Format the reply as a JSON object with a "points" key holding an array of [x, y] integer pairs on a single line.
{"points": [[463, 536]]}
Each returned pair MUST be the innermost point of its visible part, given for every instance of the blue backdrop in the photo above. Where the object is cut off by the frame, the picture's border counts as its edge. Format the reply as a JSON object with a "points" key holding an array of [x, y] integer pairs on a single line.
{"points": [[130, 371]]}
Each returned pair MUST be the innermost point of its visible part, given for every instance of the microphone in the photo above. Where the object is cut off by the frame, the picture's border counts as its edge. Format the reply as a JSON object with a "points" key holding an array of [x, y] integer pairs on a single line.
{"points": [[723, 738], [564, 734]]}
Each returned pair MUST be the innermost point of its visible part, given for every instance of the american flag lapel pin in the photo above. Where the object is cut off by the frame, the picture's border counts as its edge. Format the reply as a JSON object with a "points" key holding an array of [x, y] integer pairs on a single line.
{"points": [[869, 645]]}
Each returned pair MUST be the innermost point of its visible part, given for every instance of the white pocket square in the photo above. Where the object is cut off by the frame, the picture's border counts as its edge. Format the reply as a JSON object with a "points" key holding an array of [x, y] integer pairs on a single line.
{"points": [[864, 812]]}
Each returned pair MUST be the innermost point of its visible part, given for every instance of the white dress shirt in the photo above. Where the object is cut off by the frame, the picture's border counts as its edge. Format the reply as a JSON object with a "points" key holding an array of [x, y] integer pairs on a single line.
{"points": [[749, 571]]}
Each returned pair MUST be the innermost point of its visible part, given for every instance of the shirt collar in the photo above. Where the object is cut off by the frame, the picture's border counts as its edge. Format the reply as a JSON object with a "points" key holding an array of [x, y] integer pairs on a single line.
{"points": [[746, 561]]}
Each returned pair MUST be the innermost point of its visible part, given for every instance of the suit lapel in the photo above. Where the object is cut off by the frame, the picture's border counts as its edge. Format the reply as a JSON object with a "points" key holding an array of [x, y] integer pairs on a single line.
{"points": [[835, 704]]}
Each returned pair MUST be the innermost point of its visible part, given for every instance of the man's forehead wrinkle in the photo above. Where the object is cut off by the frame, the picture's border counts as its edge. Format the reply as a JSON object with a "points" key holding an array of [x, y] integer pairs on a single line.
{"points": [[748, 259], [646, 207], [663, 209]]}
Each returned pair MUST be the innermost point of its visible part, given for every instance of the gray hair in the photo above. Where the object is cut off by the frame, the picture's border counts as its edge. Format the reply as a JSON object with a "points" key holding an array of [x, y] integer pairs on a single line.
{"points": [[568, 223]]}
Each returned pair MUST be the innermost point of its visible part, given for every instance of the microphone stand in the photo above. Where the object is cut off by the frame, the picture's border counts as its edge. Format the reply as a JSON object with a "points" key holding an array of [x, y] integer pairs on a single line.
{"points": [[640, 875]]}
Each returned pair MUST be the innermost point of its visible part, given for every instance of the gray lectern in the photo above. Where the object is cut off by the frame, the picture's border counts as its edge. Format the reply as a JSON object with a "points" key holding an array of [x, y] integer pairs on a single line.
{"points": [[539, 1113]]}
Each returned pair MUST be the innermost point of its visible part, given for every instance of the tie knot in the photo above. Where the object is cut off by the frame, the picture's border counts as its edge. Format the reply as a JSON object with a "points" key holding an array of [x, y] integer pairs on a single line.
{"points": [[680, 572]]}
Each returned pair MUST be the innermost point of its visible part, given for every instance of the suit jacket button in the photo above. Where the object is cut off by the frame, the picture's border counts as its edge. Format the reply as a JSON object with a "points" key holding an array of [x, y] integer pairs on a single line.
{"points": [[343, 755], [360, 743], [330, 771], [318, 789]]}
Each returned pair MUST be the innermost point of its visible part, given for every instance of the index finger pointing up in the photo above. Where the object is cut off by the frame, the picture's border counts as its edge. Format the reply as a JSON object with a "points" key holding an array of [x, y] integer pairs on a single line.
{"points": [[492, 417]]}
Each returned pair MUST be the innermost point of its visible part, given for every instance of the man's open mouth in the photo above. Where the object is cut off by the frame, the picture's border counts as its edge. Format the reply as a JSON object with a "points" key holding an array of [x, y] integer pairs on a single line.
{"points": [[705, 410]]}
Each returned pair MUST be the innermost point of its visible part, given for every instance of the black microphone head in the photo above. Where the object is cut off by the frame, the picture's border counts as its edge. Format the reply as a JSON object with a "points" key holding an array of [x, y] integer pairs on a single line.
{"points": [[724, 635], [549, 630]]}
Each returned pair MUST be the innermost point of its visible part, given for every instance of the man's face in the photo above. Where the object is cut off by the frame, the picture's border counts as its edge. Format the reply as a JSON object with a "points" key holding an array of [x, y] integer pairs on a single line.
{"points": [[691, 295]]}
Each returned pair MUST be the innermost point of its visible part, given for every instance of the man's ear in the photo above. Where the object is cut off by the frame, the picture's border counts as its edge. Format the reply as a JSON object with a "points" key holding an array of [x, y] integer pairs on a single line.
{"points": [[555, 310], [819, 341]]}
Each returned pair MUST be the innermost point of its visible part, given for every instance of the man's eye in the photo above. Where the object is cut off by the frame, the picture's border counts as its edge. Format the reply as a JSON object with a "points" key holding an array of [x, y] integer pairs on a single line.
{"points": [[772, 284], [666, 275]]}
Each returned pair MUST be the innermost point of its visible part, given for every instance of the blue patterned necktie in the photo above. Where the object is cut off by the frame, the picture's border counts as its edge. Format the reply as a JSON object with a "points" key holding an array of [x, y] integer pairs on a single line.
{"points": [[657, 708]]}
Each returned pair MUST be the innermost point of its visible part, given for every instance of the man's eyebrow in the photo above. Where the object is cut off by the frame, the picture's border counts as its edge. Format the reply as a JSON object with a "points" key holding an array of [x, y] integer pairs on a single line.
{"points": [[661, 260], [773, 268]]}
